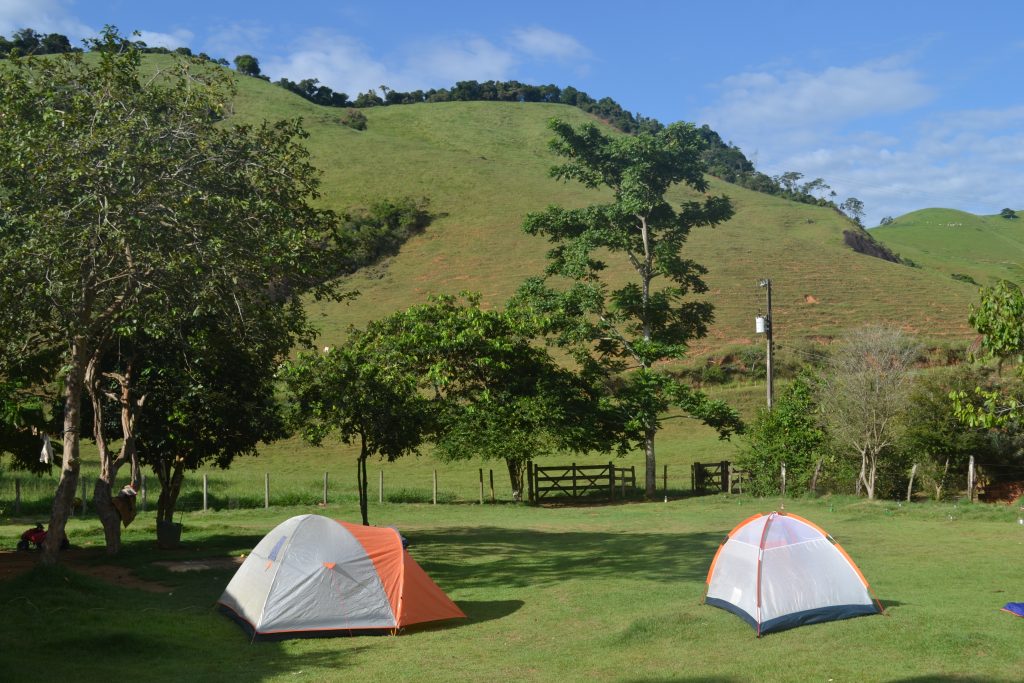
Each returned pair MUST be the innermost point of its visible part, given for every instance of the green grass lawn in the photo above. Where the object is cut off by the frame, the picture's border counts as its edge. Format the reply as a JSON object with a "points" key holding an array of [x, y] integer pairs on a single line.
{"points": [[605, 593]]}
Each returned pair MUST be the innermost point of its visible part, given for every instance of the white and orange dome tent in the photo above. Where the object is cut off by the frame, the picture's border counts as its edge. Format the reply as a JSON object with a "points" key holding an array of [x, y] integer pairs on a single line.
{"points": [[779, 571], [315, 575]]}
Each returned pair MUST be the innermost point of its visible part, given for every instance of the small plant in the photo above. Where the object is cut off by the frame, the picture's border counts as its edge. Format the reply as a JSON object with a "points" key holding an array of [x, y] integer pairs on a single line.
{"points": [[353, 118], [961, 277]]}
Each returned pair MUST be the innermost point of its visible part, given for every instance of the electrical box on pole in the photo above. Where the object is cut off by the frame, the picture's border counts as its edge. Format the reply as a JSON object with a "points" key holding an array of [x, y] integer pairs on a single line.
{"points": [[763, 325]]}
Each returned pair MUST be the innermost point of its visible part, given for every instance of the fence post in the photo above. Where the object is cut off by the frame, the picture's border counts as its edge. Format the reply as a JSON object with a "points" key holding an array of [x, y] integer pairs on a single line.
{"points": [[622, 483], [693, 476], [83, 497], [783, 479], [205, 489], [970, 479], [17, 496], [724, 475], [728, 490], [632, 472], [664, 481], [611, 480], [910, 486], [481, 485], [574, 480], [380, 494], [529, 481], [493, 499], [143, 493], [266, 490], [435, 488], [325, 489]]}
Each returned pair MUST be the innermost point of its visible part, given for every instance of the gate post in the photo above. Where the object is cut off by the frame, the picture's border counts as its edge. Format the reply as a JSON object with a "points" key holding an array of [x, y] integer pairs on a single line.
{"points": [[611, 480]]}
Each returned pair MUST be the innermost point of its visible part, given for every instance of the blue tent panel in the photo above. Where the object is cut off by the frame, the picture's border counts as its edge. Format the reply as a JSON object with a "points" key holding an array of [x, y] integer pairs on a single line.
{"points": [[1014, 608]]}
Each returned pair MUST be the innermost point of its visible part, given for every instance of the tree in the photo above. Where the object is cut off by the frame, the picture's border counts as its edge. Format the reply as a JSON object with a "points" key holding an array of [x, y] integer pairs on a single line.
{"points": [[791, 433], [125, 205], [635, 325], [247, 65], [361, 391], [864, 393], [999, 318], [495, 394], [1008, 214], [940, 443], [854, 208]]}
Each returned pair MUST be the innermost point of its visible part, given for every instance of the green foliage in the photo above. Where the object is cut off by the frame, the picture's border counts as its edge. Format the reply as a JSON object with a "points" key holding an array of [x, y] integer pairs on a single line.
{"points": [[961, 277], [353, 118], [1008, 214], [366, 236], [635, 324], [143, 215], [361, 391], [790, 433], [247, 65]]}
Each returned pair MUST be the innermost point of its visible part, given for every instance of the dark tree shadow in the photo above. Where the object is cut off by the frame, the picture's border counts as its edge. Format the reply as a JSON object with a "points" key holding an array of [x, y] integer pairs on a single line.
{"points": [[481, 557]]}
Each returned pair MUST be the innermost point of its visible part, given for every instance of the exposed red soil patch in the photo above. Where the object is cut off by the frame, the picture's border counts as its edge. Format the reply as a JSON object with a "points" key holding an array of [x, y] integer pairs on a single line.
{"points": [[1003, 492], [810, 299]]}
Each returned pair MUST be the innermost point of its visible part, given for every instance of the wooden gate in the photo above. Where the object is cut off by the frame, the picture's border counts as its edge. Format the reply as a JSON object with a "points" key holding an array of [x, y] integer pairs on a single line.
{"points": [[710, 477], [577, 481]]}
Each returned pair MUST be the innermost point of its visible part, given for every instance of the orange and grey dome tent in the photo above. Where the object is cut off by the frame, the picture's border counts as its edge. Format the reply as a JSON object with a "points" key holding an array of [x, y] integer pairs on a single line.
{"points": [[312, 575], [779, 571]]}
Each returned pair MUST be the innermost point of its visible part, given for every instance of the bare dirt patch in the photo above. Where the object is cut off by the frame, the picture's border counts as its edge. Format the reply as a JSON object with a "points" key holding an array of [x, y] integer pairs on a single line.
{"points": [[201, 565], [86, 561], [810, 299]]}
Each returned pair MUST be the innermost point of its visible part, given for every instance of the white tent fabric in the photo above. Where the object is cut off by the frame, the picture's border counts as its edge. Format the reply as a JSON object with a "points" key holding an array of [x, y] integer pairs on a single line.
{"points": [[779, 571], [312, 573]]}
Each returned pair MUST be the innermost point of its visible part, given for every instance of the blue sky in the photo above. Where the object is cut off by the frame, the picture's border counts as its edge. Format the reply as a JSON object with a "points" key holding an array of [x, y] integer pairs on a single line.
{"points": [[902, 104]]}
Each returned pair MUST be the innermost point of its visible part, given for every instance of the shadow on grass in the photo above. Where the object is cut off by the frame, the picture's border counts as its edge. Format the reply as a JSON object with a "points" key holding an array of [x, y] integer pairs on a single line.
{"points": [[483, 557], [101, 631]]}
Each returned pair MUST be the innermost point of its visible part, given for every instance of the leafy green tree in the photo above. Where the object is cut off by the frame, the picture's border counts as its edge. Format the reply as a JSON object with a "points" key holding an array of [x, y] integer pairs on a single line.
{"points": [[854, 208], [999, 318], [496, 394], [636, 325], [362, 391], [933, 436], [791, 433], [125, 203], [1008, 214], [247, 65]]}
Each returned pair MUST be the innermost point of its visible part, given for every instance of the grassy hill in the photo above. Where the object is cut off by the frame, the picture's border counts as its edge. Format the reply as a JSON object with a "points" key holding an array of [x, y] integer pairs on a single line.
{"points": [[484, 165], [947, 241]]}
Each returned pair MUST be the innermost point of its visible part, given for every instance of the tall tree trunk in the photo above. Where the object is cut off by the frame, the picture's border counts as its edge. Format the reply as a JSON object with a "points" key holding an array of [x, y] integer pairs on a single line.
{"points": [[170, 477], [361, 481], [516, 468], [870, 483], [814, 477], [64, 499], [651, 474], [942, 481]]}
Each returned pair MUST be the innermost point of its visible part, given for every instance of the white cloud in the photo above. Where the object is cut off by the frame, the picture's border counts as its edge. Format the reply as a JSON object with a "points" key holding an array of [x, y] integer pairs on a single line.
{"points": [[875, 131], [541, 43], [45, 16], [798, 100], [238, 38], [345, 64], [179, 38]]}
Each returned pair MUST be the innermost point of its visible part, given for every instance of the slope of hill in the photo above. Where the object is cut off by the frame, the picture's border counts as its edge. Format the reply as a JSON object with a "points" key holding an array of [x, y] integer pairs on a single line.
{"points": [[984, 248], [484, 165]]}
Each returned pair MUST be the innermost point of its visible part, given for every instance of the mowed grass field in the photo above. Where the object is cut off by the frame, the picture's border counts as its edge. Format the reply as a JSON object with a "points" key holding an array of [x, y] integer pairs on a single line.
{"points": [[602, 593]]}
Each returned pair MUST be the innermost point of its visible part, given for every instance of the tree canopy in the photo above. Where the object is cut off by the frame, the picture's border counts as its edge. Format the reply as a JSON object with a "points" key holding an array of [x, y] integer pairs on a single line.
{"points": [[638, 324], [128, 206]]}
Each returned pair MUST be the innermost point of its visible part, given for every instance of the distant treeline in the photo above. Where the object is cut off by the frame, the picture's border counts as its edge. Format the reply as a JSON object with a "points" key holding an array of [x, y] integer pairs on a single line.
{"points": [[724, 160]]}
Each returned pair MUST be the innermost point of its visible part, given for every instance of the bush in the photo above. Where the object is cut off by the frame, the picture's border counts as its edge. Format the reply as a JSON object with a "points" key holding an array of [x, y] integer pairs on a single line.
{"points": [[790, 434]]}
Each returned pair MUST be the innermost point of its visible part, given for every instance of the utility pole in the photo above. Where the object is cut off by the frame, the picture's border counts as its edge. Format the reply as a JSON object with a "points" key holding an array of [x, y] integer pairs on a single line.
{"points": [[767, 323]]}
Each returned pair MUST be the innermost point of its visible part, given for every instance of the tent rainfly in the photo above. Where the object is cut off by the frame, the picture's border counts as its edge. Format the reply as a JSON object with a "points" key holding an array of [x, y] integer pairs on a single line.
{"points": [[779, 571], [312, 575]]}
